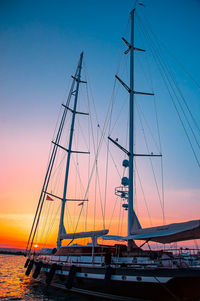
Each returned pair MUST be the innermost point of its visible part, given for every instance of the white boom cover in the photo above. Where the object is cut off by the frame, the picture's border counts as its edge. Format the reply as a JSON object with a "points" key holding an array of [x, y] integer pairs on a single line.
{"points": [[163, 234], [84, 234], [168, 233]]}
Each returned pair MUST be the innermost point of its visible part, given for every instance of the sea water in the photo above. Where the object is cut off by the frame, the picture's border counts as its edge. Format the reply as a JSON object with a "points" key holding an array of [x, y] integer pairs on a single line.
{"points": [[14, 285]]}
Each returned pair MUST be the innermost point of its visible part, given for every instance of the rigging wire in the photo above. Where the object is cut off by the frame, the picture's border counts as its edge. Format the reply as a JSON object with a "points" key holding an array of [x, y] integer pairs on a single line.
{"points": [[148, 126], [103, 133], [94, 162], [119, 219], [97, 180], [90, 172], [100, 196], [160, 45], [76, 163], [116, 201], [120, 56], [107, 152], [144, 197], [150, 159], [95, 187], [158, 129], [59, 169], [163, 71], [106, 122], [173, 56], [184, 101], [161, 159], [122, 223], [47, 176], [89, 133], [51, 224], [45, 219]]}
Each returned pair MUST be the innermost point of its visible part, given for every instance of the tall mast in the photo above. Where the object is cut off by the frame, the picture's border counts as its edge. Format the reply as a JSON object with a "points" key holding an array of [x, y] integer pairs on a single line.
{"points": [[49, 170], [78, 79], [131, 127]]}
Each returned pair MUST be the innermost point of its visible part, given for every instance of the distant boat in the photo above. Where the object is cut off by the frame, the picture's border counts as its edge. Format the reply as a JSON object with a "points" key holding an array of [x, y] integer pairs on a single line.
{"points": [[115, 271]]}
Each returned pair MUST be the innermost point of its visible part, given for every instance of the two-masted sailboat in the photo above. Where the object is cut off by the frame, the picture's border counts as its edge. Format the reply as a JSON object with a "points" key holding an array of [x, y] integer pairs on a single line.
{"points": [[119, 271]]}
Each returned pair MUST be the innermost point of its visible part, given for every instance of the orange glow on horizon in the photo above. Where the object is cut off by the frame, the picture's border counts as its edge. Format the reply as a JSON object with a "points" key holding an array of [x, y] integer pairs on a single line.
{"points": [[16, 230]]}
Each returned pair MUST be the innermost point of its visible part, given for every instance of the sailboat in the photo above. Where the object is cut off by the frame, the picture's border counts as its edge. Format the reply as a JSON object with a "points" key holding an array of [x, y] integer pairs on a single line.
{"points": [[120, 271]]}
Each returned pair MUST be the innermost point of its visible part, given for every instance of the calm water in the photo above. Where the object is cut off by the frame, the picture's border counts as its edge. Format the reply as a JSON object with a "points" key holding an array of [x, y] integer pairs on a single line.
{"points": [[14, 285]]}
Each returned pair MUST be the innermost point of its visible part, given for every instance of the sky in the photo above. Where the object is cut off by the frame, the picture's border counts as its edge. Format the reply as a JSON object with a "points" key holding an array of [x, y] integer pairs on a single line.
{"points": [[40, 42]]}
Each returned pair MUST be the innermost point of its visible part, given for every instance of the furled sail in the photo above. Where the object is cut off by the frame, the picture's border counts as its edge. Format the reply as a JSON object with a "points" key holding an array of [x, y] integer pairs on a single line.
{"points": [[168, 233], [163, 234], [84, 234]]}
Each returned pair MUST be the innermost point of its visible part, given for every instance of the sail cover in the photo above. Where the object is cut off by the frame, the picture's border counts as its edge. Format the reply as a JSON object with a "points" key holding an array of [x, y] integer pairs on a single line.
{"points": [[168, 233], [84, 234]]}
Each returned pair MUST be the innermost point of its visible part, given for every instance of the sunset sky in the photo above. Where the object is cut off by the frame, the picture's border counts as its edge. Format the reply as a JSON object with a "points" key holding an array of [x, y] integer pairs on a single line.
{"points": [[40, 43]]}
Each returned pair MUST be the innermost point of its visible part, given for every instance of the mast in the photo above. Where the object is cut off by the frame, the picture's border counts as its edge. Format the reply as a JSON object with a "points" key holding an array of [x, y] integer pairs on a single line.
{"points": [[131, 127], [49, 170], [78, 80]]}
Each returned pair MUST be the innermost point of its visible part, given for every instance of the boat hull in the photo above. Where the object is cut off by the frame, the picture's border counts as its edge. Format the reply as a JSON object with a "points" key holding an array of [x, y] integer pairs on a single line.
{"points": [[124, 283]]}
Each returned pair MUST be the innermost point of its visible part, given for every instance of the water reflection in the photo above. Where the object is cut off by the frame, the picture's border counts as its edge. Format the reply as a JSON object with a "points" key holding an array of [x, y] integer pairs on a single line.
{"points": [[14, 285]]}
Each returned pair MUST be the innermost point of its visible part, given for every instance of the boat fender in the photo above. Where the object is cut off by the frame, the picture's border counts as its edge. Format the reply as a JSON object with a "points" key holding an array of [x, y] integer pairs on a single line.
{"points": [[29, 268], [71, 276], [108, 273], [51, 273], [27, 262], [37, 269]]}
